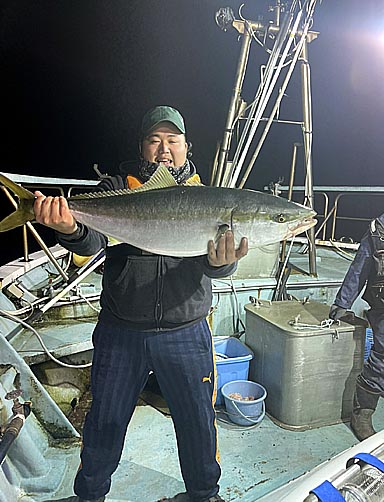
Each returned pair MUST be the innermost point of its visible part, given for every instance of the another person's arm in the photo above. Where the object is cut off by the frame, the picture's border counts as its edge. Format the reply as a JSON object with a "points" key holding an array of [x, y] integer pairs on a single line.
{"points": [[354, 280]]}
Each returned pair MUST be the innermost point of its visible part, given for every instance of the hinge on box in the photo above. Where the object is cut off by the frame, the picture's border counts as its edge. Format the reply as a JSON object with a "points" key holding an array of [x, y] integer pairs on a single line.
{"points": [[255, 301]]}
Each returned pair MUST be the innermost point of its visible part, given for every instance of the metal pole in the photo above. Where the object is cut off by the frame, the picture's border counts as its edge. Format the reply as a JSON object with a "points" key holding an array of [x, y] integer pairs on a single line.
{"points": [[274, 110], [277, 12], [70, 286], [308, 133], [214, 164], [293, 169], [25, 244], [290, 191], [47, 251], [233, 107]]}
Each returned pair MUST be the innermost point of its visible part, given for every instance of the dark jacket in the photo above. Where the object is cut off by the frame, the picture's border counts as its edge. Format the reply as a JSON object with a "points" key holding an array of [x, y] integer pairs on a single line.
{"points": [[148, 292], [363, 271]]}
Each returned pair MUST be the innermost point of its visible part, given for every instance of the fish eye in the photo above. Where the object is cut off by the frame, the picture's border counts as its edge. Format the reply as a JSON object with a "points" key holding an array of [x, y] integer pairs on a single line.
{"points": [[280, 218]]}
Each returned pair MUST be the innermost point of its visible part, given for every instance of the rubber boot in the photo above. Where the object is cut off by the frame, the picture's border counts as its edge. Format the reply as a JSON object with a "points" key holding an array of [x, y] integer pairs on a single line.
{"points": [[364, 405]]}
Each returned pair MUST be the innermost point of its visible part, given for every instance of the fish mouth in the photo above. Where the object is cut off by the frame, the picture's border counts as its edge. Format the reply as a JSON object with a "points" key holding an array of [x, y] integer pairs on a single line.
{"points": [[301, 226]]}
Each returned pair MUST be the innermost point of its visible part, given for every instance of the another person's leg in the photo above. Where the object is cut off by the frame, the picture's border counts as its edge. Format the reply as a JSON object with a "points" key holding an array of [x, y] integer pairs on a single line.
{"points": [[119, 373], [370, 383]]}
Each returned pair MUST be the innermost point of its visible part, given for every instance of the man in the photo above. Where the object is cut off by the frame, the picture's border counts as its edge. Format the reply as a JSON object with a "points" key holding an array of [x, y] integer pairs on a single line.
{"points": [[153, 317], [366, 269]]}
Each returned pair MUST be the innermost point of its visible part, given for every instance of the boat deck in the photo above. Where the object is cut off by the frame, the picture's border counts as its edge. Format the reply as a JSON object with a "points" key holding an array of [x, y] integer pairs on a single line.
{"points": [[255, 460]]}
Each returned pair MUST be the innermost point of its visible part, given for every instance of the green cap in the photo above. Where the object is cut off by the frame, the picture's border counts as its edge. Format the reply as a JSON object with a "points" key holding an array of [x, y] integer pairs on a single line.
{"points": [[162, 114]]}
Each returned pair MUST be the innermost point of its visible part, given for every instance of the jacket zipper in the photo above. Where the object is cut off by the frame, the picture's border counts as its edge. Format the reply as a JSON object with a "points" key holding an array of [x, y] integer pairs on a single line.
{"points": [[159, 292]]}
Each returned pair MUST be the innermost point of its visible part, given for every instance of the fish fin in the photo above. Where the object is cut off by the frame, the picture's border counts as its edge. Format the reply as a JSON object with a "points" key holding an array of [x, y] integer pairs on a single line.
{"points": [[18, 190], [24, 212], [161, 178]]}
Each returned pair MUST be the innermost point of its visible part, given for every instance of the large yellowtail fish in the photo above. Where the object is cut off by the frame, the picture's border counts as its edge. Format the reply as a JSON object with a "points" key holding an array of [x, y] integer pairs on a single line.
{"points": [[162, 217]]}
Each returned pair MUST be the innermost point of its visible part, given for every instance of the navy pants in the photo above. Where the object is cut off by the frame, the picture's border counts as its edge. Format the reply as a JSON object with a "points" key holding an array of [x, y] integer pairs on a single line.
{"points": [[373, 371], [183, 363]]}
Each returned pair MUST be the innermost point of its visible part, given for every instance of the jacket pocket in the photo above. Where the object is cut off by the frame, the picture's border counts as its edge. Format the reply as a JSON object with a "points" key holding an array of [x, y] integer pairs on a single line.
{"points": [[130, 287], [187, 292]]}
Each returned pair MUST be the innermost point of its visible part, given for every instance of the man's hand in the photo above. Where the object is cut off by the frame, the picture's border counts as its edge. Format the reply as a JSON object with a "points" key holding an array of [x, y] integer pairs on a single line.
{"points": [[336, 312], [225, 252], [54, 212]]}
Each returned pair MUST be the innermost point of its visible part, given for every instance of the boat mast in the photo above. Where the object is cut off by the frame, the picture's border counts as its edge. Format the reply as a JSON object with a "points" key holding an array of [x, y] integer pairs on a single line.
{"points": [[291, 34], [307, 141], [223, 19]]}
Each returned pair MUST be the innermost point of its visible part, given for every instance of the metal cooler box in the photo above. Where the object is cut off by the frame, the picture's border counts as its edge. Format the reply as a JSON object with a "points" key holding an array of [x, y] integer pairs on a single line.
{"points": [[309, 372]]}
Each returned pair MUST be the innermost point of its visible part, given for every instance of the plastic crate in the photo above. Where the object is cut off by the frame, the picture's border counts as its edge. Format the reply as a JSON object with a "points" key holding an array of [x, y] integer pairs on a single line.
{"points": [[232, 363]]}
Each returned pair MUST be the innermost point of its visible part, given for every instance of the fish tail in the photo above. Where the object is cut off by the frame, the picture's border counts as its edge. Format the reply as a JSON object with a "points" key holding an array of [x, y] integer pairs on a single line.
{"points": [[24, 212]]}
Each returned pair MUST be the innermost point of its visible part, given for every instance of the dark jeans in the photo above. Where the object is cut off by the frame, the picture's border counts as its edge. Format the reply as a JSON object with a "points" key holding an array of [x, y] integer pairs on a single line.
{"points": [[373, 371], [182, 361]]}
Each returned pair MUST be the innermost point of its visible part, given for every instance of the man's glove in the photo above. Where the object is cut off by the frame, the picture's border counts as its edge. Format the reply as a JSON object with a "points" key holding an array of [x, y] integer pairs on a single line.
{"points": [[336, 312]]}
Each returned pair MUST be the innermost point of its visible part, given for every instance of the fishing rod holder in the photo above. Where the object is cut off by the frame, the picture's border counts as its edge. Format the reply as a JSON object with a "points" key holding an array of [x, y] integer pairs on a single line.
{"points": [[225, 19]]}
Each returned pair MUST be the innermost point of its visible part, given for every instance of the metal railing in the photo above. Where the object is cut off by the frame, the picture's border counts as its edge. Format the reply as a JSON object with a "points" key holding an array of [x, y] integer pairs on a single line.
{"points": [[335, 213]]}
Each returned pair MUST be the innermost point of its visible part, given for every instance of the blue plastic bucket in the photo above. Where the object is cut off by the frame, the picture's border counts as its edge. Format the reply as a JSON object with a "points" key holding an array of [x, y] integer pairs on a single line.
{"points": [[244, 412], [233, 366]]}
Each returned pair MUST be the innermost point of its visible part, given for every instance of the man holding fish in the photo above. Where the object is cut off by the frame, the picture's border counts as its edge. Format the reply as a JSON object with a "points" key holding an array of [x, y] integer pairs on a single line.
{"points": [[153, 317], [165, 236]]}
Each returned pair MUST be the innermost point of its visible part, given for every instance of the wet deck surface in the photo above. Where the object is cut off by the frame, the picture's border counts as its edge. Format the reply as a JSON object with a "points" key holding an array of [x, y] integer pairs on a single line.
{"points": [[254, 461]]}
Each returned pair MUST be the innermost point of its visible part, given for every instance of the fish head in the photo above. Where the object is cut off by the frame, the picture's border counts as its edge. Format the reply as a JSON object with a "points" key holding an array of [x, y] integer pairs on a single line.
{"points": [[275, 219], [296, 220], [302, 226]]}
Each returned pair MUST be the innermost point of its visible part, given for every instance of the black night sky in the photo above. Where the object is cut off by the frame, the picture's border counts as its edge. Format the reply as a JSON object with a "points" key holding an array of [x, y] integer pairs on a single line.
{"points": [[77, 76]]}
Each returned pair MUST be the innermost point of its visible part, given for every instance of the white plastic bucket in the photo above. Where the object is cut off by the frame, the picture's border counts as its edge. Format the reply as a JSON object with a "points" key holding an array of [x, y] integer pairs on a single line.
{"points": [[244, 412]]}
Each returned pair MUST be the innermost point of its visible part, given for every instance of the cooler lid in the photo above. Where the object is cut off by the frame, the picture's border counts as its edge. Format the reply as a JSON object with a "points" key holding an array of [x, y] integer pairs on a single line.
{"points": [[301, 319]]}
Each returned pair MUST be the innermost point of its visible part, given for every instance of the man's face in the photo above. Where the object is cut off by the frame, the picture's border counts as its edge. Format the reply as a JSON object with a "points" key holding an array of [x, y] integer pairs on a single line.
{"points": [[165, 144]]}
